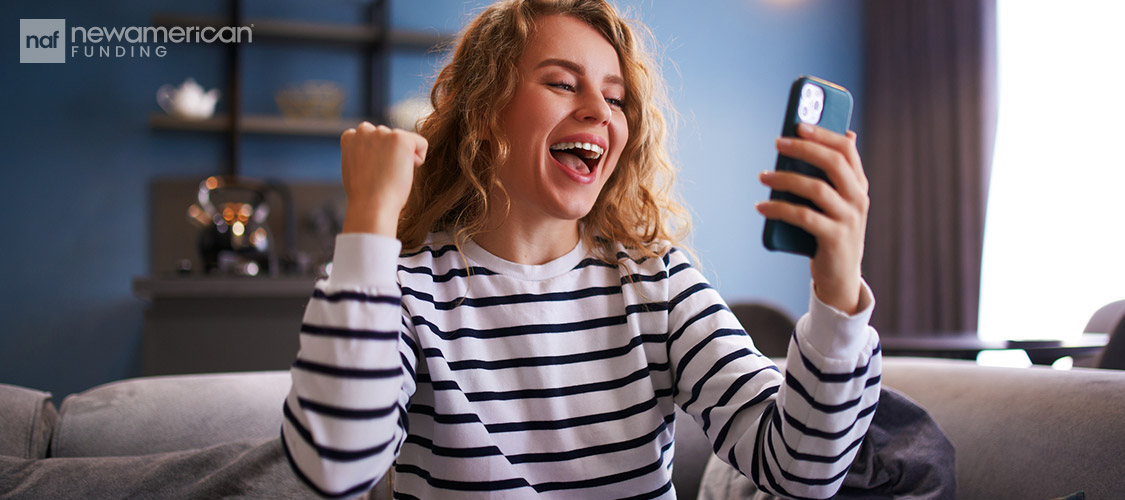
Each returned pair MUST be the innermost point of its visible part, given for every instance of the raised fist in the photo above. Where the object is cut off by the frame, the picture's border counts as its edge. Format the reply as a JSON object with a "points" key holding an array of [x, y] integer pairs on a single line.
{"points": [[377, 165]]}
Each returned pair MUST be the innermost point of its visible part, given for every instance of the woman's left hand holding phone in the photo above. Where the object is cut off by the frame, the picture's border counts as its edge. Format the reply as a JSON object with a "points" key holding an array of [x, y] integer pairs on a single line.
{"points": [[840, 228]]}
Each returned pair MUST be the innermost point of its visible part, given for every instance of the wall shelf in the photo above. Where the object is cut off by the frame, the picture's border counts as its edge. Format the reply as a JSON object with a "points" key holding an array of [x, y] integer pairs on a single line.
{"points": [[372, 39], [257, 124]]}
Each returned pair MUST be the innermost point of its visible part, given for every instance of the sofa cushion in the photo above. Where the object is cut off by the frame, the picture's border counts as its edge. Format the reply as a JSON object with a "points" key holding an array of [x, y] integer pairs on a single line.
{"points": [[161, 414], [27, 418], [241, 469], [1022, 432]]}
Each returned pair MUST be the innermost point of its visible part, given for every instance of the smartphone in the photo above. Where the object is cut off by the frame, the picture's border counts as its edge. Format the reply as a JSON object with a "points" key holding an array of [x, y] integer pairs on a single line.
{"points": [[816, 102]]}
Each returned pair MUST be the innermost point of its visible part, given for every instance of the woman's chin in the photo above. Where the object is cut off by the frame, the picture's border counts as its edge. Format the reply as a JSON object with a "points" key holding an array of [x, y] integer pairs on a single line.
{"points": [[576, 210], [569, 212], [558, 205]]}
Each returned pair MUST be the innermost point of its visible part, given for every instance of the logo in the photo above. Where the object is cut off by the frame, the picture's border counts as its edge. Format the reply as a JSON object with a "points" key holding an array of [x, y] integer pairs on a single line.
{"points": [[45, 40], [42, 40]]}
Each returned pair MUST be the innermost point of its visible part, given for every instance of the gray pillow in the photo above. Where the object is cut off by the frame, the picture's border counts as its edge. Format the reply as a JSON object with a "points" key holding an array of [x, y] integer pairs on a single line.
{"points": [[248, 469], [27, 419], [172, 413]]}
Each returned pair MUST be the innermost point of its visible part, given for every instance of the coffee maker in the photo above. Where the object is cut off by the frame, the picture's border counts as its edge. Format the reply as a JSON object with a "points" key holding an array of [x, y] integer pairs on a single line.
{"points": [[234, 237]]}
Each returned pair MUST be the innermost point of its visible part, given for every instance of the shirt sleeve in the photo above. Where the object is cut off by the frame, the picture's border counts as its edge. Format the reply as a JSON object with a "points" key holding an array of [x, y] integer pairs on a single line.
{"points": [[794, 434], [345, 415]]}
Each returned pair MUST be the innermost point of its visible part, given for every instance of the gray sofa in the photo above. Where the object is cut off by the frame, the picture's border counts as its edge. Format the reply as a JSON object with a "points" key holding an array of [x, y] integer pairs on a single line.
{"points": [[1028, 433]]}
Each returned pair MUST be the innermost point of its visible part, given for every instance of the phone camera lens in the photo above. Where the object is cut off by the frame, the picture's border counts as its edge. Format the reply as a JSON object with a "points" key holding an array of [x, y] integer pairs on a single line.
{"points": [[804, 111], [816, 106]]}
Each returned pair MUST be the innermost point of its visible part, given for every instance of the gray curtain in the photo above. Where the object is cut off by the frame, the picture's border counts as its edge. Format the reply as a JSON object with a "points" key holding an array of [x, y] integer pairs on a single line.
{"points": [[930, 114]]}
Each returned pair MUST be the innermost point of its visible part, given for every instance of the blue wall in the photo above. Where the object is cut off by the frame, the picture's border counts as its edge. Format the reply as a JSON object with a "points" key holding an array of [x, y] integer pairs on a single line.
{"points": [[78, 154]]}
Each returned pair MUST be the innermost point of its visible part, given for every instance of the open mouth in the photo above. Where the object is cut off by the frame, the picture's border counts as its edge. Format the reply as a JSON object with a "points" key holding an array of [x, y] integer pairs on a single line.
{"points": [[582, 157]]}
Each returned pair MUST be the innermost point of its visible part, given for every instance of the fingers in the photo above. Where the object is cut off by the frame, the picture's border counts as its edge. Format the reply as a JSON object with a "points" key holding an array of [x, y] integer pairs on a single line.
{"points": [[844, 203], [368, 127], [346, 138], [834, 153], [816, 223], [840, 229], [832, 162], [813, 189], [415, 143], [364, 127], [377, 166], [845, 144]]}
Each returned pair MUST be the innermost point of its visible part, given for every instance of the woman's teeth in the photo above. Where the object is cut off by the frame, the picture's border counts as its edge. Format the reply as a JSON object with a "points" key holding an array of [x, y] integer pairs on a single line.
{"points": [[588, 151]]}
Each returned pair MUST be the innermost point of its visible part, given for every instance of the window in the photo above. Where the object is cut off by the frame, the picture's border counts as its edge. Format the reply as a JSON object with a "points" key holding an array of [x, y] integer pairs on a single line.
{"points": [[1054, 245]]}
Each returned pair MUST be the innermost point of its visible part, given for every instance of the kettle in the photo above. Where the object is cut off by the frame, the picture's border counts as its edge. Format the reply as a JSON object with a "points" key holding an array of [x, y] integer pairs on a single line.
{"points": [[188, 101], [234, 237]]}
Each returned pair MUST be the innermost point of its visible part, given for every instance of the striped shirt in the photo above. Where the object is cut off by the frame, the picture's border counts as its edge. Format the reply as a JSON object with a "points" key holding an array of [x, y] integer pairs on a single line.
{"points": [[476, 377]]}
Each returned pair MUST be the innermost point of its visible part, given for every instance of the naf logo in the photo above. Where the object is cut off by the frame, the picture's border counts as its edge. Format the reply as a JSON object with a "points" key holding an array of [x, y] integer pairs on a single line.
{"points": [[42, 40]]}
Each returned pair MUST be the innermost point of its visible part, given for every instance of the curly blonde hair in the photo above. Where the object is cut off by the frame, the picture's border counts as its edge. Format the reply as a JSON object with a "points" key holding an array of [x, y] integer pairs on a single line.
{"points": [[451, 192]]}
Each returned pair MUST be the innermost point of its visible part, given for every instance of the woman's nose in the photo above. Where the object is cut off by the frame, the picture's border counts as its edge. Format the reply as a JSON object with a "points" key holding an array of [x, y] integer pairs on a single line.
{"points": [[594, 108]]}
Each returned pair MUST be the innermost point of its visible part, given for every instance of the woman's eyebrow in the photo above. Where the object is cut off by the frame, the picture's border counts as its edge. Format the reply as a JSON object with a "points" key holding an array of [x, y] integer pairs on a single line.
{"points": [[579, 69]]}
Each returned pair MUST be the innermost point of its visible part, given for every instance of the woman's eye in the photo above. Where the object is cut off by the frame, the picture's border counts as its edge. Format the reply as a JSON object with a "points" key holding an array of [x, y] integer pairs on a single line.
{"points": [[617, 103], [563, 86]]}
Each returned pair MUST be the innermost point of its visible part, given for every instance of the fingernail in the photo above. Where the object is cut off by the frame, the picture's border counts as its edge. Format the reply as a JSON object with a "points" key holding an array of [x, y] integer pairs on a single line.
{"points": [[758, 206], [805, 129], [765, 175], [784, 142]]}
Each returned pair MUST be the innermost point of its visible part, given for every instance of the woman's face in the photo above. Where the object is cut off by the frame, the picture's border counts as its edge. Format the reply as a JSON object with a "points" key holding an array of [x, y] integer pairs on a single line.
{"points": [[565, 123]]}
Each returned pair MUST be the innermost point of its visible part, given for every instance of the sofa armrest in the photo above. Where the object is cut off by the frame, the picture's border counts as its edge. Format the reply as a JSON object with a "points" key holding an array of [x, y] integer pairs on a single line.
{"points": [[27, 419], [161, 414]]}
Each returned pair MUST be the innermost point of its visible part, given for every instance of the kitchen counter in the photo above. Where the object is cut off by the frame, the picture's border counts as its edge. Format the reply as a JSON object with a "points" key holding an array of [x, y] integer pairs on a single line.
{"points": [[205, 324], [196, 286]]}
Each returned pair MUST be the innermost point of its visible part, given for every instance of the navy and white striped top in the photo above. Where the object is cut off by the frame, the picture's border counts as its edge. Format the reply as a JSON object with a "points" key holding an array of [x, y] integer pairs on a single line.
{"points": [[559, 380]]}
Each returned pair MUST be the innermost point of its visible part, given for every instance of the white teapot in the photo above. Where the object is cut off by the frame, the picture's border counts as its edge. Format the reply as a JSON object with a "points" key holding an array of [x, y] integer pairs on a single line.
{"points": [[188, 101]]}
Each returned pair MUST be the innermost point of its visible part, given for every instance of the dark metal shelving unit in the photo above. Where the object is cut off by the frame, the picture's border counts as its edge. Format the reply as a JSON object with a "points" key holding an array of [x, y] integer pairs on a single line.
{"points": [[375, 40]]}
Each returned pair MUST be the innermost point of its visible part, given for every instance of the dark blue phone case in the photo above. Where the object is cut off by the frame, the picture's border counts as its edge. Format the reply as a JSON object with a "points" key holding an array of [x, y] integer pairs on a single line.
{"points": [[837, 116]]}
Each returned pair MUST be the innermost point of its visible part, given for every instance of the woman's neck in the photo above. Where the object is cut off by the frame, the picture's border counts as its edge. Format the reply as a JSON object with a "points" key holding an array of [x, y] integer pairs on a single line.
{"points": [[524, 241]]}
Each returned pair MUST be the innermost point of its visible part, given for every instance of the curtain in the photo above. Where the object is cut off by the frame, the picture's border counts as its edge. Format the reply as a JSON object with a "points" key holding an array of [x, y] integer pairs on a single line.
{"points": [[930, 115]]}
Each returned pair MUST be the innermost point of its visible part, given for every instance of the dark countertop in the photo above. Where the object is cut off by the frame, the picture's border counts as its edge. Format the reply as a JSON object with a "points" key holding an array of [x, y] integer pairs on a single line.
{"points": [[205, 287]]}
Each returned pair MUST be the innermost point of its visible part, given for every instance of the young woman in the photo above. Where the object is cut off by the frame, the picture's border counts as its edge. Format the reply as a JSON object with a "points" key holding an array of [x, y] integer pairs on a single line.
{"points": [[508, 315]]}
